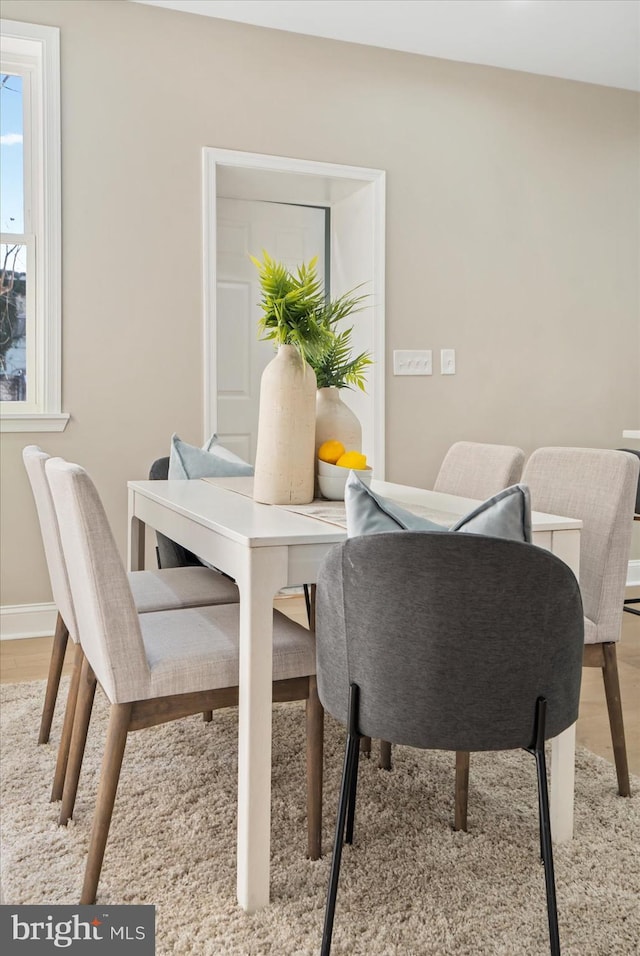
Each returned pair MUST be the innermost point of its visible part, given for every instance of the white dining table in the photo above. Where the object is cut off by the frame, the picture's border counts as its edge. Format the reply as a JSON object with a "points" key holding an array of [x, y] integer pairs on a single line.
{"points": [[267, 548]]}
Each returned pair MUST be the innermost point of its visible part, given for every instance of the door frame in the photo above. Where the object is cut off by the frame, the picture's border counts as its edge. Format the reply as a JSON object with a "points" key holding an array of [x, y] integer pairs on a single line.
{"points": [[330, 182]]}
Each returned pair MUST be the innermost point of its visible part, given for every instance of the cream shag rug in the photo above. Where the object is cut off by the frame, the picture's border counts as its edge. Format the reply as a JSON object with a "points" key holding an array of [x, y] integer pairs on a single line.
{"points": [[409, 885]]}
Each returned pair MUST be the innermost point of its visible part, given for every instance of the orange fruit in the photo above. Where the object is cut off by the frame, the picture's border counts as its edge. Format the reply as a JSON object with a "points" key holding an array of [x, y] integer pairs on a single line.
{"points": [[330, 451], [352, 459]]}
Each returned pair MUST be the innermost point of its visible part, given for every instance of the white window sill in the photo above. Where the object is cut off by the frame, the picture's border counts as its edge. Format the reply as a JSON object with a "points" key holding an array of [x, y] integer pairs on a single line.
{"points": [[53, 422]]}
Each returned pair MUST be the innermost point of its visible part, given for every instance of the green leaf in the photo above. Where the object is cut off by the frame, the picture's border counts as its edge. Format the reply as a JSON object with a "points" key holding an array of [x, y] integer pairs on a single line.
{"points": [[295, 311]]}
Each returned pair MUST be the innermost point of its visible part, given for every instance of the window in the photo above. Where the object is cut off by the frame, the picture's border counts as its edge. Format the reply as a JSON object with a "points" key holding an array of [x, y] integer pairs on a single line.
{"points": [[30, 320]]}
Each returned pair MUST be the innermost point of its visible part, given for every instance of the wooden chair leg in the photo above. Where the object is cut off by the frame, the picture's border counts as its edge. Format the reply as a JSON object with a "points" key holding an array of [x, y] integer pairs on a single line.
{"points": [[58, 651], [365, 746], [315, 752], [614, 706], [385, 755], [119, 721], [67, 727], [462, 789], [84, 706]]}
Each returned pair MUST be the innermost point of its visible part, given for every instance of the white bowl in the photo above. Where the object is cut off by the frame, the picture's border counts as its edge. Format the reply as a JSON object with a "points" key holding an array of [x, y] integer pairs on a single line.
{"points": [[332, 479], [325, 468]]}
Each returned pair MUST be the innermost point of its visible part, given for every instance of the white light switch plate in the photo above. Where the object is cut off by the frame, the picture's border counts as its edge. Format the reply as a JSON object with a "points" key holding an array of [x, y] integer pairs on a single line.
{"points": [[412, 362], [448, 361]]}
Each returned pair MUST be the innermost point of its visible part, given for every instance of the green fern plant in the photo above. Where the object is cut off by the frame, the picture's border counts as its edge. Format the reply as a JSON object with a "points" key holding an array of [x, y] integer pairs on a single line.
{"points": [[336, 368], [293, 307], [295, 311]]}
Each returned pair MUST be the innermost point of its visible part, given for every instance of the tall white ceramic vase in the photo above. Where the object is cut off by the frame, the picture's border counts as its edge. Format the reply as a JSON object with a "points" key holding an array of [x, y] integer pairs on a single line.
{"points": [[285, 461], [335, 420]]}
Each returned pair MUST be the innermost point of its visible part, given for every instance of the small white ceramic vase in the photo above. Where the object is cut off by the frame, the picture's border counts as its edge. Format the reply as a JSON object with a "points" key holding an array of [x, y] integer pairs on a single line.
{"points": [[336, 421], [285, 461]]}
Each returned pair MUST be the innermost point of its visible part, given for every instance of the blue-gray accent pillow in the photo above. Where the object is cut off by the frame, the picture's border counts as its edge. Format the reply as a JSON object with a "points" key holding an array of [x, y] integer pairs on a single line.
{"points": [[213, 460], [505, 515]]}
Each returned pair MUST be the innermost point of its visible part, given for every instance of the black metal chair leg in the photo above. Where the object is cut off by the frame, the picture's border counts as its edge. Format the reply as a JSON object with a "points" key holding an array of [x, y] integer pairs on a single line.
{"points": [[540, 828], [351, 808], [307, 601], [350, 761], [547, 857], [546, 847]]}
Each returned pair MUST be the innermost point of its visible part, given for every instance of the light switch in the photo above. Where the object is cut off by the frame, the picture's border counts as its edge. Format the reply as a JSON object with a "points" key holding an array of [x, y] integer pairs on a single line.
{"points": [[448, 361], [412, 362]]}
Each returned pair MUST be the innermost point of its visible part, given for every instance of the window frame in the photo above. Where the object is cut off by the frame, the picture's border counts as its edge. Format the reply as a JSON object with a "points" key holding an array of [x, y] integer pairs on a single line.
{"points": [[35, 49]]}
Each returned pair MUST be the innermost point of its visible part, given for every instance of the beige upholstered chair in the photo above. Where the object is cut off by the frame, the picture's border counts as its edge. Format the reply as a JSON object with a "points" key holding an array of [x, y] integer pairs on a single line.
{"points": [[599, 487], [633, 600], [475, 470], [152, 591], [158, 666]]}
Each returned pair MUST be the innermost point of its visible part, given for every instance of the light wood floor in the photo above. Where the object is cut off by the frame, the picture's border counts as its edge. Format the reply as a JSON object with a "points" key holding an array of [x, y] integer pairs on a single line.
{"points": [[28, 659]]}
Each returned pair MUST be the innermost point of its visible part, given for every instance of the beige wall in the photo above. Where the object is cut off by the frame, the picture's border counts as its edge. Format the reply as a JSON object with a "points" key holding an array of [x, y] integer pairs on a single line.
{"points": [[512, 235]]}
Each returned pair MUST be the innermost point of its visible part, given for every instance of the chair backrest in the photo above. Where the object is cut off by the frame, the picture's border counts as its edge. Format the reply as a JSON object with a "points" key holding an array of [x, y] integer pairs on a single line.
{"points": [[170, 553], [634, 451], [475, 470], [107, 619], [34, 461], [451, 638], [597, 485]]}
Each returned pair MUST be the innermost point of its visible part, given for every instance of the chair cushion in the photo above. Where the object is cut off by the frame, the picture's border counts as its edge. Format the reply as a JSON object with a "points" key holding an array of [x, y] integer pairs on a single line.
{"points": [[180, 587], [198, 649], [505, 515], [213, 460]]}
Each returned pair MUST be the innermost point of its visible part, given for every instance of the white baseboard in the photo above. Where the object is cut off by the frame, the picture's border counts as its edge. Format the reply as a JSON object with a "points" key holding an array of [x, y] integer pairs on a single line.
{"points": [[39, 620], [27, 620]]}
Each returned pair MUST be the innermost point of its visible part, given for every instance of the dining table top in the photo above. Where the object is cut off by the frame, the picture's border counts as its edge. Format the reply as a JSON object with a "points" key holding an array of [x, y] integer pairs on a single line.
{"points": [[226, 506]]}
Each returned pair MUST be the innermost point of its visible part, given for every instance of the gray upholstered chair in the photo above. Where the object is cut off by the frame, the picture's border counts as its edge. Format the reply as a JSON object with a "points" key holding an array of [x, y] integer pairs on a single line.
{"points": [[451, 642], [152, 591], [599, 486], [169, 553], [159, 666], [476, 470]]}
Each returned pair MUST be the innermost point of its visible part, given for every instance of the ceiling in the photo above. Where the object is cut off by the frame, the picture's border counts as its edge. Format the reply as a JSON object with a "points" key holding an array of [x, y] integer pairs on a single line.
{"points": [[593, 41]]}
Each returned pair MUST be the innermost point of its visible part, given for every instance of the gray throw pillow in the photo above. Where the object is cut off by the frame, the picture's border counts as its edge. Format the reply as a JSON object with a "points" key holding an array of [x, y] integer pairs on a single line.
{"points": [[213, 460], [505, 515]]}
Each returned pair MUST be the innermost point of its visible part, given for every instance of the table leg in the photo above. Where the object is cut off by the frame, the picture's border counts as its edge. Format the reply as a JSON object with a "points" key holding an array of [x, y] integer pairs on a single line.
{"points": [[265, 572], [563, 750], [135, 544], [566, 545]]}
